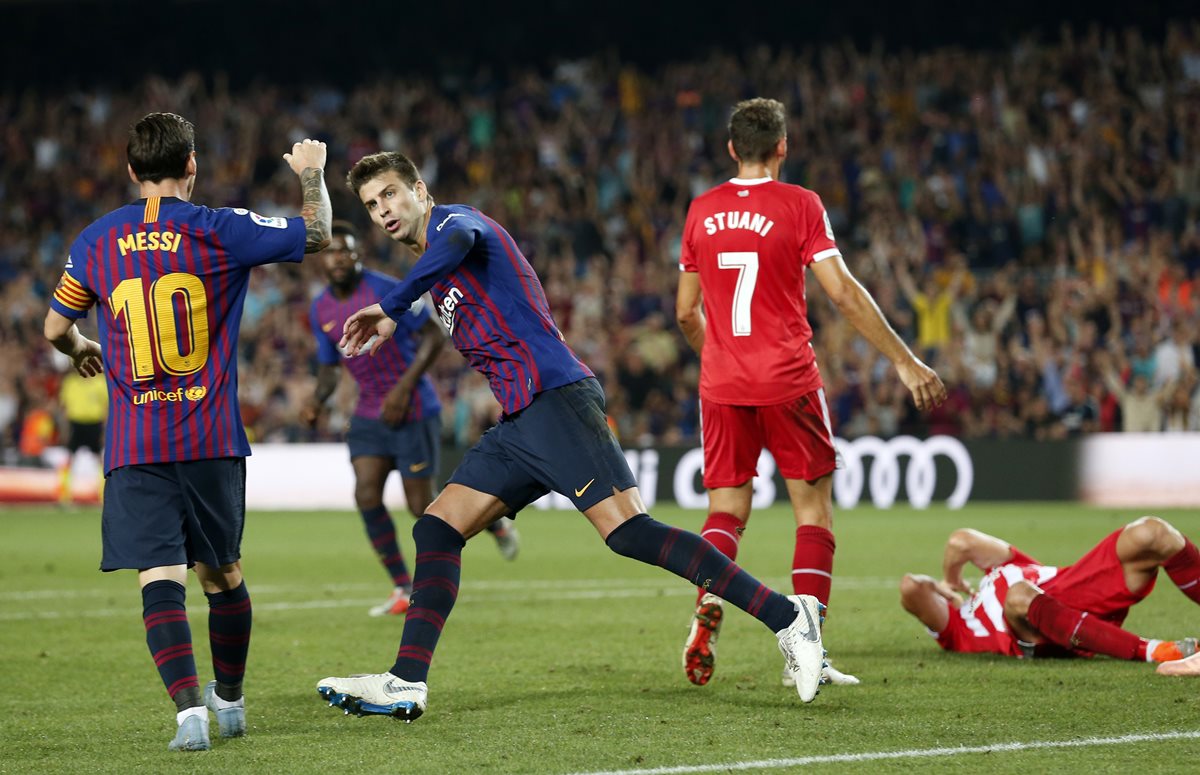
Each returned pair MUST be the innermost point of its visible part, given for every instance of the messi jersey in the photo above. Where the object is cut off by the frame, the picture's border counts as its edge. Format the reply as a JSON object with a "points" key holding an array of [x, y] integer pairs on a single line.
{"points": [[377, 374], [169, 278], [492, 303], [750, 241]]}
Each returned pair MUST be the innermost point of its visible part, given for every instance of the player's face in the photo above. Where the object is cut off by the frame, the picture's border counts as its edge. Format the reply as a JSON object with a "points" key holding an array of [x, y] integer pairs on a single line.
{"points": [[395, 207], [341, 260]]}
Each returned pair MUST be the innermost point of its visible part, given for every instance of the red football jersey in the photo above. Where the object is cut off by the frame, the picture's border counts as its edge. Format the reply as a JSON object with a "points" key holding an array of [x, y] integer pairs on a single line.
{"points": [[751, 240]]}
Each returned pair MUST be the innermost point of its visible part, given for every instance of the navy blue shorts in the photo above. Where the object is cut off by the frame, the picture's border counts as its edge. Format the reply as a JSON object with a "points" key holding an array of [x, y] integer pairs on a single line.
{"points": [[158, 514], [559, 442], [412, 447]]}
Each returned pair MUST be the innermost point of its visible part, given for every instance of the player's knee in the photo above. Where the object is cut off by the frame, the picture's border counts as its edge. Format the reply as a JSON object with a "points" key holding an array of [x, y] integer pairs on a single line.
{"points": [[1019, 598], [368, 494], [1154, 536]]}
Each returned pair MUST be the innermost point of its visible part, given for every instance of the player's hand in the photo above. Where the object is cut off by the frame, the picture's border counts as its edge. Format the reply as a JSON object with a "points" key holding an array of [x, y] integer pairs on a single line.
{"points": [[946, 590], [367, 326], [924, 384], [87, 361], [396, 404], [306, 153], [310, 413]]}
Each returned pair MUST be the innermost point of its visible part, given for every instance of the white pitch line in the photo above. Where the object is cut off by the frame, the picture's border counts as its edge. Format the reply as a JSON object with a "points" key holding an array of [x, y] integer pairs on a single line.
{"points": [[665, 583], [481, 592], [916, 753]]}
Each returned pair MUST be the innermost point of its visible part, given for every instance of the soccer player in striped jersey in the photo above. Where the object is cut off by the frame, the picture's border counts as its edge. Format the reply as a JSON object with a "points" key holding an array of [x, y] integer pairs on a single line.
{"points": [[397, 419], [741, 304], [1023, 608], [553, 435], [168, 279]]}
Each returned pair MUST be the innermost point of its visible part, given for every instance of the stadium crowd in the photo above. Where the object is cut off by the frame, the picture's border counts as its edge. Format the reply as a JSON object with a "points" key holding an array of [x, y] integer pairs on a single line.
{"points": [[1028, 217]]}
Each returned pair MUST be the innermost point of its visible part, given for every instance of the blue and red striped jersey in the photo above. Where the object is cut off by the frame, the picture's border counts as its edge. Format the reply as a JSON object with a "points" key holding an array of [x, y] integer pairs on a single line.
{"points": [[376, 374], [170, 278], [490, 299]]}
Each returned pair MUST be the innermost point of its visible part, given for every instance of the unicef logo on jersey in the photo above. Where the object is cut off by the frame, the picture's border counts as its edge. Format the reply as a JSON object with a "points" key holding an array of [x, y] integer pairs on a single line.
{"points": [[194, 393]]}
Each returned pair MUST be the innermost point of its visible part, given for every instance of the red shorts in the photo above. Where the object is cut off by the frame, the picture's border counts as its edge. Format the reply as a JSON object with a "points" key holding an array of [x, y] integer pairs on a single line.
{"points": [[1096, 583], [796, 433]]}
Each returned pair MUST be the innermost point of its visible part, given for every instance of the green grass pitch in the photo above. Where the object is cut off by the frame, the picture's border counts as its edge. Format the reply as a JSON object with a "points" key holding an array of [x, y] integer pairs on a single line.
{"points": [[567, 660]]}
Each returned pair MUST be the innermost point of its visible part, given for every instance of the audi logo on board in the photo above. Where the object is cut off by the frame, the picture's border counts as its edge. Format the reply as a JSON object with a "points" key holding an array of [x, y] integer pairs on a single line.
{"points": [[852, 480]]}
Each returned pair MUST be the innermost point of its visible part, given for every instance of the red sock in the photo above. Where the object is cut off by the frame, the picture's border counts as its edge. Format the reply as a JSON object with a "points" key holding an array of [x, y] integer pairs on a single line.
{"points": [[812, 563], [723, 531], [1184, 569], [1077, 630]]}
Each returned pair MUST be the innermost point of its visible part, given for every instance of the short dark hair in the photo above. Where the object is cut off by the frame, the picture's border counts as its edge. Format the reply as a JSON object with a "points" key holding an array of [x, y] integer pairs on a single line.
{"points": [[756, 127], [373, 166], [159, 147], [343, 229]]}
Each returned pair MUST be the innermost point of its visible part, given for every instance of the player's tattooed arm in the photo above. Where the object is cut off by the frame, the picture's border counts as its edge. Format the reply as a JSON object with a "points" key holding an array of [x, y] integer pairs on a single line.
{"points": [[316, 211], [307, 160]]}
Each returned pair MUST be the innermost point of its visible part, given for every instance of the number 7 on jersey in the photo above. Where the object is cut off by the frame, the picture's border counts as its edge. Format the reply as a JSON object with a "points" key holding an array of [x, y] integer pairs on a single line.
{"points": [[746, 264]]}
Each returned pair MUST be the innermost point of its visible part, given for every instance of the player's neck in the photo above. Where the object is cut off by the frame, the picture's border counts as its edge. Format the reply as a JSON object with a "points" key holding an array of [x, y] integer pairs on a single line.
{"points": [[178, 188], [417, 243], [758, 171]]}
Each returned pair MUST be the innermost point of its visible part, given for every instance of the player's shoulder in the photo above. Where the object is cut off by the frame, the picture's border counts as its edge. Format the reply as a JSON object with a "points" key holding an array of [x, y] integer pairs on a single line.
{"points": [[128, 213], [322, 298], [792, 192], [447, 218]]}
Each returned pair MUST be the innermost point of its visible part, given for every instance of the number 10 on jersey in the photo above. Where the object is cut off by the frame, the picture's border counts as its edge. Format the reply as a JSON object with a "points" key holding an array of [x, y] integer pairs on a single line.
{"points": [[746, 264], [153, 335]]}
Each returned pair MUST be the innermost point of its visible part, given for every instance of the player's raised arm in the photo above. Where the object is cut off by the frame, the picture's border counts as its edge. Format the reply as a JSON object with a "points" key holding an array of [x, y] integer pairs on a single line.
{"points": [[860, 309], [307, 160]]}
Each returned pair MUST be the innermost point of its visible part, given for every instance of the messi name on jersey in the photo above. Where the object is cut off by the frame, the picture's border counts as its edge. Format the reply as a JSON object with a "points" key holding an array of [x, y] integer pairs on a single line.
{"points": [[142, 241], [738, 219]]}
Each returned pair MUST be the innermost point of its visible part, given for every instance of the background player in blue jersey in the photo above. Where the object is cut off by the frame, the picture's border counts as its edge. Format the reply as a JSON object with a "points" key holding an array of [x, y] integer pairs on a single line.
{"points": [[169, 279], [396, 422], [553, 435]]}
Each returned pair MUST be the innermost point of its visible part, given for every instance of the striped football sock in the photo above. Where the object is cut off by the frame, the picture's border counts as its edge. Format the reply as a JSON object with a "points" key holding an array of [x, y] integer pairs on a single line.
{"points": [[690, 556], [169, 638], [435, 588]]}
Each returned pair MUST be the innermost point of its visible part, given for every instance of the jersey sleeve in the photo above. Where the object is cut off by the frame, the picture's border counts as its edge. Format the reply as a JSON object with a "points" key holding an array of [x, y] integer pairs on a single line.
{"points": [[327, 354], [816, 232], [453, 239], [687, 255], [72, 298], [1019, 557], [252, 239]]}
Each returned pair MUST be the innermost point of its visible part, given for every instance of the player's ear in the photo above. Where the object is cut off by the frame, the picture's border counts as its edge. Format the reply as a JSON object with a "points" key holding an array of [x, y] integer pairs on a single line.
{"points": [[190, 170], [732, 153], [781, 147], [421, 191], [132, 176]]}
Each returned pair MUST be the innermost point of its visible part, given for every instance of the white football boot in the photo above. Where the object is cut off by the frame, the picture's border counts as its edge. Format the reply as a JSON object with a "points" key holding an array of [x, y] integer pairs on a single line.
{"points": [[800, 643], [381, 694]]}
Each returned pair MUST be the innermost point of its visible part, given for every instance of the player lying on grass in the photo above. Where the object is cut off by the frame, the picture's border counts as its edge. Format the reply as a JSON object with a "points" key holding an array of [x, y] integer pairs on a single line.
{"points": [[1025, 609], [554, 435]]}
